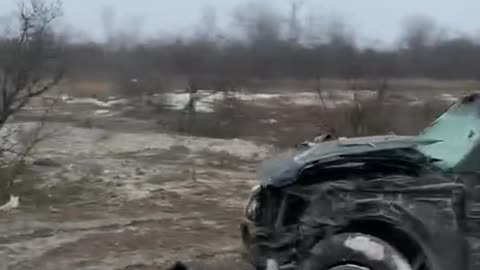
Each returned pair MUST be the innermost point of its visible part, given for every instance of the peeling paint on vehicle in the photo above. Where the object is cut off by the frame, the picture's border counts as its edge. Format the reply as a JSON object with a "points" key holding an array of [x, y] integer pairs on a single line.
{"points": [[365, 245]]}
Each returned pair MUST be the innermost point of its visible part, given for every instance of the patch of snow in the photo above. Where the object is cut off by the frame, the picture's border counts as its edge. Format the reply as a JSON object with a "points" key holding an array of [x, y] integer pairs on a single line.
{"points": [[269, 121], [101, 112], [415, 103], [260, 96], [367, 246], [206, 99], [85, 141], [90, 101], [447, 98], [112, 102], [11, 204], [65, 97], [304, 99]]}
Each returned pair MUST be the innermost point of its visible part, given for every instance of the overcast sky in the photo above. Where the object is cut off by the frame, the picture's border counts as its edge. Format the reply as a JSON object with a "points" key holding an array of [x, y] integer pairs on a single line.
{"points": [[372, 19]]}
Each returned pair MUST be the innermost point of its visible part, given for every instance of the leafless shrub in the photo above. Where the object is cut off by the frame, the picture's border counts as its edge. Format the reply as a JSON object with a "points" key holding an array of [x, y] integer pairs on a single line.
{"points": [[351, 119], [375, 114], [29, 67], [189, 112], [199, 89]]}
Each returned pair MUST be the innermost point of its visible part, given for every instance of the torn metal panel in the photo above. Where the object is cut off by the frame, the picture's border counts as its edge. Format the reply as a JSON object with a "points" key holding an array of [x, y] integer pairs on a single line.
{"points": [[285, 168], [290, 232], [396, 186]]}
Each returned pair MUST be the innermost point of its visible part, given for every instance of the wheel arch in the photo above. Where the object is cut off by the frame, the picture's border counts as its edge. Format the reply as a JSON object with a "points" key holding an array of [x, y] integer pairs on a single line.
{"points": [[406, 242]]}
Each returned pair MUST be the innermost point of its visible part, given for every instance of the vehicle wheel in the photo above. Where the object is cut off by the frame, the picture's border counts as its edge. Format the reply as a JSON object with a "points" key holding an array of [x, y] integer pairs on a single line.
{"points": [[354, 251]]}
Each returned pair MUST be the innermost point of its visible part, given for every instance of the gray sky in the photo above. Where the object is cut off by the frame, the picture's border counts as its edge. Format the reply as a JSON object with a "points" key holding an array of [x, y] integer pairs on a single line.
{"points": [[372, 19]]}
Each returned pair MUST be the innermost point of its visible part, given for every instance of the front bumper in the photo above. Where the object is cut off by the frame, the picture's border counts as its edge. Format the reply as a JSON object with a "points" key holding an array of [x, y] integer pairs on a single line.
{"points": [[265, 252]]}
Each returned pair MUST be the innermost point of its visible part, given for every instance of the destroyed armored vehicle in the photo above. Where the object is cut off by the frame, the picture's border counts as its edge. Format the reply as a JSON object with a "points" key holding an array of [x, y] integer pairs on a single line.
{"points": [[373, 203]]}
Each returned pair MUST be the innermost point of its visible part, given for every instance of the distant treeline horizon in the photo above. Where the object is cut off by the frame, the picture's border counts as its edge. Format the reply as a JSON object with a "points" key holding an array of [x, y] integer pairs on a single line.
{"points": [[269, 45]]}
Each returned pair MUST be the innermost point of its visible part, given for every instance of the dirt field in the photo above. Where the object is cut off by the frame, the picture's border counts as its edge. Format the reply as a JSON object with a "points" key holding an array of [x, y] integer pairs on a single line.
{"points": [[103, 200], [107, 190]]}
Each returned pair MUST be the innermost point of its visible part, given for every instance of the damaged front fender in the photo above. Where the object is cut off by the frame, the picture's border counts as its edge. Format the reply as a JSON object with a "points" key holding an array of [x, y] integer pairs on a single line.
{"points": [[411, 218]]}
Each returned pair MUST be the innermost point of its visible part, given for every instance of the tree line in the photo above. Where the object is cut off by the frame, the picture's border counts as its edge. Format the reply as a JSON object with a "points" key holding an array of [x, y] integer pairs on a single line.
{"points": [[265, 44]]}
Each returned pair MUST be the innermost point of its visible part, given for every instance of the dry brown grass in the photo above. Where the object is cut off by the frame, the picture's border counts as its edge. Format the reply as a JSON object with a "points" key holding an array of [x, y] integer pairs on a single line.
{"points": [[410, 85], [104, 87], [100, 88], [295, 124]]}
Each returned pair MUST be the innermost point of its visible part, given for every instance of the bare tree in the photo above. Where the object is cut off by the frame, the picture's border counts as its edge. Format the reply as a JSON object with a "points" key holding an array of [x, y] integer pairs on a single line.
{"points": [[29, 67], [419, 32], [338, 32], [417, 39], [207, 27], [189, 113], [259, 23], [295, 29], [108, 16]]}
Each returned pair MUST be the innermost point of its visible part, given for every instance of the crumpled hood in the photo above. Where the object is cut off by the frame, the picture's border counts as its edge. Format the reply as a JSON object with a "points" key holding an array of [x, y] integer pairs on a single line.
{"points": [[285, 168]]}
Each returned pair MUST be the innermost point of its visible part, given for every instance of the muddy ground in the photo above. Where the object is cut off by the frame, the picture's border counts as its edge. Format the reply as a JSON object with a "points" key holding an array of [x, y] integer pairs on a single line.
{"points": [[102, 199], [106, 190]]}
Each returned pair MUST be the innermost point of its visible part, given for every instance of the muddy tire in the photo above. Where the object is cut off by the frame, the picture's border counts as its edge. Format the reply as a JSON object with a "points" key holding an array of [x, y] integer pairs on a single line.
{"points": [[354, 251]]}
